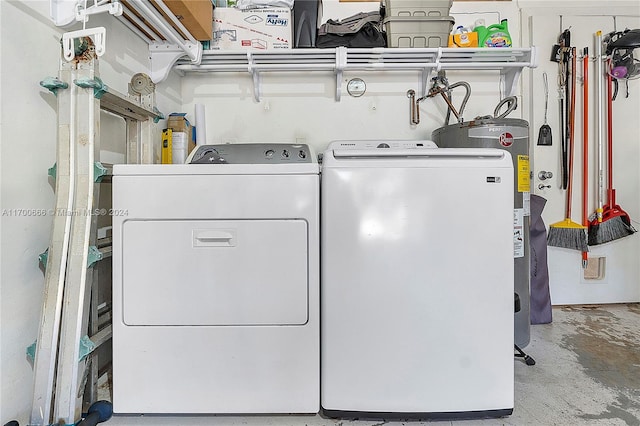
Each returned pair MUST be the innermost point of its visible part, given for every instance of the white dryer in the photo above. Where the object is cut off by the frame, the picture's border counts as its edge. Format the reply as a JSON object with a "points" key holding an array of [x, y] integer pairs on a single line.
{"points": [[417, 281], [215, 282]]}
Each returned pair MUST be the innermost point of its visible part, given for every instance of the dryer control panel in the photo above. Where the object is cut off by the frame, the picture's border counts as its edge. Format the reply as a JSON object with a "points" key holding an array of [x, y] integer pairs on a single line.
{"points": [[252, 153]]}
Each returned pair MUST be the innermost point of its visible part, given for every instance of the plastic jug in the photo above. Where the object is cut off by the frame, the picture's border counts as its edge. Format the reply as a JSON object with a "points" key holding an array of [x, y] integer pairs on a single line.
{"points": [[496, 35], [463, 37]]}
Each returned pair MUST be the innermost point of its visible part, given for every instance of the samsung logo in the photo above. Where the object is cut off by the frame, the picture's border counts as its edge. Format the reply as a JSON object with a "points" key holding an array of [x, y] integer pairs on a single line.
{"points": [[276, 21], [493, 179]]}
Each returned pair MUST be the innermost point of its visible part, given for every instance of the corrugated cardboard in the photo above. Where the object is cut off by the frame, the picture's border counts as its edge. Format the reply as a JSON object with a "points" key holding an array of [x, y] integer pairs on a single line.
{"points": [[263, 29], [195, 15], [178, 122]]}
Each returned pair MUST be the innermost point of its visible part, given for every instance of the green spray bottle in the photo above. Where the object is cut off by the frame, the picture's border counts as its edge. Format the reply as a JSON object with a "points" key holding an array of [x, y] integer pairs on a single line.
{"points": [[496, 35]]}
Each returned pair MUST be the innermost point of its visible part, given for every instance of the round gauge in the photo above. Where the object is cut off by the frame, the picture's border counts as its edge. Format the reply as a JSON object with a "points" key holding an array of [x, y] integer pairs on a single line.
{"points": [[356, 87]]}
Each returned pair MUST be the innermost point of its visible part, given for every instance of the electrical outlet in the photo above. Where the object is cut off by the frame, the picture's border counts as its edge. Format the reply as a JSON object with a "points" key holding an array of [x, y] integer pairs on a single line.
{"points": [[595, 268]]}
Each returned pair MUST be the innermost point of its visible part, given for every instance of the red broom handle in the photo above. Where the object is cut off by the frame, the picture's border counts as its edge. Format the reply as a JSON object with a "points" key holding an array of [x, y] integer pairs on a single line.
{"points": [[611, 193], [585, 137]]}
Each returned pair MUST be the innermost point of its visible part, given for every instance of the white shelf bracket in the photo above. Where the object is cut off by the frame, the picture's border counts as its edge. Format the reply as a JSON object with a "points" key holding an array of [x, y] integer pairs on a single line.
{"points": [[255, 76], [511, 75], [424, 81], [98, 6], [165, 55], [438, 64], [341, 63], [509, 79]]}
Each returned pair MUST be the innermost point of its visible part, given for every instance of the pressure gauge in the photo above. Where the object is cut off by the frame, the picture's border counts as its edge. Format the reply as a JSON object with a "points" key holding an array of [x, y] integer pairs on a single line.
{"points": [[356, 87]]}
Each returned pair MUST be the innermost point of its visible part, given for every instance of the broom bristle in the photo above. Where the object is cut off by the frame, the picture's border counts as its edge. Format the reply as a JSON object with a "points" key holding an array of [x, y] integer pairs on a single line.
{"points": [[610, 230], [569, 238]]}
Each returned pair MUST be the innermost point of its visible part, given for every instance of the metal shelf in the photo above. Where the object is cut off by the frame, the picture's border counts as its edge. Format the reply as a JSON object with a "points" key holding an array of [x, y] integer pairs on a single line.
{"points": [[509, 62]]}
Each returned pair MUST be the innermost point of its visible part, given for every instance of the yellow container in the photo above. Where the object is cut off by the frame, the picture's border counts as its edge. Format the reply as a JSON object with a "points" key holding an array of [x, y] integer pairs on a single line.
{"points": [[465, 39], [167, 146]]}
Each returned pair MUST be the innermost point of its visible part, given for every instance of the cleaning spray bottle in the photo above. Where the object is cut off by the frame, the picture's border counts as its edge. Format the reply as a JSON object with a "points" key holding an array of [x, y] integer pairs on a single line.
{"points": [[496, 35]]}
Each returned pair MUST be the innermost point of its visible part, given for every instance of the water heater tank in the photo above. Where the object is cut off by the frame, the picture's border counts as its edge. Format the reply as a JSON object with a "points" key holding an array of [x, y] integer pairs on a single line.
{"points": [[511, 135]]}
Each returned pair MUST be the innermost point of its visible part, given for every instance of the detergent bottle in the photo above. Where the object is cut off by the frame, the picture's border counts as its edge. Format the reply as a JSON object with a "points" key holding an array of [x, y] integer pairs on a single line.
{"points": [[496, 35], [463, 37]]}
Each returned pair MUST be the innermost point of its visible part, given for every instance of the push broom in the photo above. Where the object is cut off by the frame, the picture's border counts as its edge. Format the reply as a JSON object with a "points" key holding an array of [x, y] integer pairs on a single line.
{"points": [[569, 234], [585, 147], [615, 222]]}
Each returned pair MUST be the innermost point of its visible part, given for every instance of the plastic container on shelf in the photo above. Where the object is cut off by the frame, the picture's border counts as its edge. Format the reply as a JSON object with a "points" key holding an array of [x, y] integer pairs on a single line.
{"points": [[496, 35], [417, 8], [411, 31], [463, 37]]}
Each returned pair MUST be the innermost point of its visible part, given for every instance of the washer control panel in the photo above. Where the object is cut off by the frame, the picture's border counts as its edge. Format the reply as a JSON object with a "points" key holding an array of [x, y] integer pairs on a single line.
{"points": [[252, 153]]}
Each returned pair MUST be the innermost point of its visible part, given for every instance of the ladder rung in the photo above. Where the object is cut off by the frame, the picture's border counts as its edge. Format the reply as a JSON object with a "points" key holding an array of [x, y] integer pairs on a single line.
{"points": [[102, 336], [119, 104]]}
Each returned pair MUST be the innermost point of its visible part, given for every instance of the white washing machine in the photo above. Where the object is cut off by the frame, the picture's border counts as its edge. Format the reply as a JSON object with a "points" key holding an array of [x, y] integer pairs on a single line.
{"points": [[417, 281], [216, 282]]}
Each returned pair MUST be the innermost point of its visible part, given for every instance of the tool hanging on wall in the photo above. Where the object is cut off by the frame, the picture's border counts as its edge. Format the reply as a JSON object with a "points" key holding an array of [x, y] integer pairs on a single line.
{"points": [[596, 217], [561, 53], [566, 233], [615, 223], [544, 134], [585, 147], [622, 64]]}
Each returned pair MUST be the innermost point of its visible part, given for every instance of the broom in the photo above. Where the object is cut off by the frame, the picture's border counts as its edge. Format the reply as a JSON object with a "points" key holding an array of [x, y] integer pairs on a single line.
{"points": [[566, 233], [585, 146], [615, 223]]}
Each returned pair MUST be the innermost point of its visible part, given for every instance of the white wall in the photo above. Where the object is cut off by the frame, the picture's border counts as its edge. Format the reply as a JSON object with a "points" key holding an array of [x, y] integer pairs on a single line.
{"points": [[30, 51], [295, 107]]}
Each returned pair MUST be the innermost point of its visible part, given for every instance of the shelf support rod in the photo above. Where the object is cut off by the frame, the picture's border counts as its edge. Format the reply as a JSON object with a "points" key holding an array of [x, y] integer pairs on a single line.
{"points": [[341, 63]]}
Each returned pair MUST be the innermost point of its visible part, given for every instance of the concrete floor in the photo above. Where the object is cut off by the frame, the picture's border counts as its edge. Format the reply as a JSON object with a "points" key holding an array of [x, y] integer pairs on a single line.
{"points": [[587, 372]]}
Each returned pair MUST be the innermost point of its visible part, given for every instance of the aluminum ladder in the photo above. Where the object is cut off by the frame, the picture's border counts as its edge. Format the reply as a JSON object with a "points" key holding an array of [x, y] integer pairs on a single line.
{"points": [[74, 321]]}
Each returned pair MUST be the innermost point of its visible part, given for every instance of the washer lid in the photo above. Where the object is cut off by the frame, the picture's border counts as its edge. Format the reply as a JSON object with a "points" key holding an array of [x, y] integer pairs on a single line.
{"points": [[401, 157]]}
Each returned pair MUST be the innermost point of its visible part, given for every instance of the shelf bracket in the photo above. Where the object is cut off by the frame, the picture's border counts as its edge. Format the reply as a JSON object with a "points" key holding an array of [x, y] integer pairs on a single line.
{"points": [[82, 13], [424, 82], [509, 79], [341, 63], [165, 55], [255, 76]]}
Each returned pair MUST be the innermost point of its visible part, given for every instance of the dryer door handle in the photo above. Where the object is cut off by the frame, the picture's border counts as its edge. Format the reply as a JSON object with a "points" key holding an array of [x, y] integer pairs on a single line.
{"points": [[214, 238]]}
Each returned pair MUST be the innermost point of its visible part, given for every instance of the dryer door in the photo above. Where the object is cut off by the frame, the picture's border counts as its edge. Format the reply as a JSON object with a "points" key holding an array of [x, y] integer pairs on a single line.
{"points": [[215, 272]]}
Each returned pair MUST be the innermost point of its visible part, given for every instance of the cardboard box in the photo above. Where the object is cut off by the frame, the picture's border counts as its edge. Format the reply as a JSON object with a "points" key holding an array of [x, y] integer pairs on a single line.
{"points": [[264, 29], [177, 122], [195, 15]]}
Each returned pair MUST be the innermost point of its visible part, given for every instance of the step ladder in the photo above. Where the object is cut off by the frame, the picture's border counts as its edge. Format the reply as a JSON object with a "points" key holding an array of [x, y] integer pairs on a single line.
{"points": [[74, 320]]}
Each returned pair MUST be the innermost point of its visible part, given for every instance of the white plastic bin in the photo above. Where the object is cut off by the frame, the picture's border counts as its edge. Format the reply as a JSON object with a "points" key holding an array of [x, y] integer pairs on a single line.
{"points": [[417, 8], [410, 31]]}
